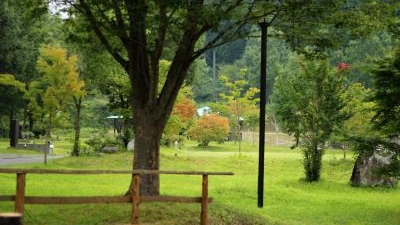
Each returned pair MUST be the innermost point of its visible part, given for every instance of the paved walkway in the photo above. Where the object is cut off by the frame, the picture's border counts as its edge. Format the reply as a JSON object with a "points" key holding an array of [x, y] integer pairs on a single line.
{"points": [[10, 159]]}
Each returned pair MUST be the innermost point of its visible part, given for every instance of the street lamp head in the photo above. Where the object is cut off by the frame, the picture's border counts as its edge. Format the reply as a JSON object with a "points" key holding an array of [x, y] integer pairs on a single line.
{"points": [[263, 24]]}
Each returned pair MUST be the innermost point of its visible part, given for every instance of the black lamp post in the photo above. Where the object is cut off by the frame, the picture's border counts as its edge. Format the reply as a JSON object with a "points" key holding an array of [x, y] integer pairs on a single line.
{"points": [[263, 100]]}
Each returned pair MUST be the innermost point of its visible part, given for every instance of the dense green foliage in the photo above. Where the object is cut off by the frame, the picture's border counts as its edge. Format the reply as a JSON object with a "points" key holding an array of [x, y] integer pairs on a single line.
{"points": [[20, 39], [387, 94], [385, 101], [361, 108], [21, 36], [308, 104], [13, 92]]}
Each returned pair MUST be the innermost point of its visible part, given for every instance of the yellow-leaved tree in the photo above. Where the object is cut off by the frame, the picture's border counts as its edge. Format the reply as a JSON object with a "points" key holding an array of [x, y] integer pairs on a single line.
{"points": [[58, 86]]}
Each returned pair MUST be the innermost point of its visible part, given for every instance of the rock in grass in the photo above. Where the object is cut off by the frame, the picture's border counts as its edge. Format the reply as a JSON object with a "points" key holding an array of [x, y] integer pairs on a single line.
{"points": [[110, 149], [366, 171], [131, 145]]}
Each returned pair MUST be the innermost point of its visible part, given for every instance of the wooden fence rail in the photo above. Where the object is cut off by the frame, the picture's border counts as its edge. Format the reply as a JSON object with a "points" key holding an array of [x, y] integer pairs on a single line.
{"points": [[135, 199]]}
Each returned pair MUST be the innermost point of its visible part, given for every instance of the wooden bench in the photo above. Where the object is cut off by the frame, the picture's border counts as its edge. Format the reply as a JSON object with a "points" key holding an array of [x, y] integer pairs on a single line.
{"points": [[135, 199]]}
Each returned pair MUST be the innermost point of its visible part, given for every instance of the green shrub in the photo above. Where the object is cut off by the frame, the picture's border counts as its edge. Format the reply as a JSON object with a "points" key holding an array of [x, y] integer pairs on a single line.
{"points": [[95, 144]]}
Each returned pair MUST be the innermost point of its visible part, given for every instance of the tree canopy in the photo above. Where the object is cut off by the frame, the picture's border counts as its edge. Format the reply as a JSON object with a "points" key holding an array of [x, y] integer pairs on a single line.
{"points": [[309, 105], [138, 34]]}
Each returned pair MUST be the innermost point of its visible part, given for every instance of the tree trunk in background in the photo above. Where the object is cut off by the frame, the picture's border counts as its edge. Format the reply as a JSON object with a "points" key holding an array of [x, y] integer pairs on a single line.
{"points": [[30, 119], [77, 127], [49, 126], [312, 161]]}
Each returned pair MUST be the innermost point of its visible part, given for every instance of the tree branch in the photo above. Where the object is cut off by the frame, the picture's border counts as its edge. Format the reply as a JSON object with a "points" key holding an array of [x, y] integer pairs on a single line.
{"points": [[181, 61], [120, 22], [159, 46], [85, 9], [138, 53]]}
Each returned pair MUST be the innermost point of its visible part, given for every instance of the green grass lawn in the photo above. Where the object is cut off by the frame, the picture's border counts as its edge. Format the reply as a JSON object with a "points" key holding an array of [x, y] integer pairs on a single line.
{"points": [[287, 200]]}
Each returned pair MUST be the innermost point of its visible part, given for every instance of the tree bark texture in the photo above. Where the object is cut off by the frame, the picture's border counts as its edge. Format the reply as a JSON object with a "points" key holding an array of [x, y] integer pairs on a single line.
{"points": [[148, 131], [77, 127]]}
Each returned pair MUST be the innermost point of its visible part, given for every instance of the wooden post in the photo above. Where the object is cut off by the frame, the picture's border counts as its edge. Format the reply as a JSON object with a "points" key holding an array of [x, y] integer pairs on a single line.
{"points": [[20, 193], [135, 198], [10, 218], [204, 201]]}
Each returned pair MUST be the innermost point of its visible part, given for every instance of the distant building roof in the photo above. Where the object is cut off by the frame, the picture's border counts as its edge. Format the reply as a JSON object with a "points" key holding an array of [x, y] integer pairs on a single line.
{"points": [[203, 110], [114, 117]]}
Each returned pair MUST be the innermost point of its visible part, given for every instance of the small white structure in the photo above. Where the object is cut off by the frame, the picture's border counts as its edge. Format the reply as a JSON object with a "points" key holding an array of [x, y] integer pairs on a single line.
{"points": [[203, 110], [51, 148], [131, 145]]}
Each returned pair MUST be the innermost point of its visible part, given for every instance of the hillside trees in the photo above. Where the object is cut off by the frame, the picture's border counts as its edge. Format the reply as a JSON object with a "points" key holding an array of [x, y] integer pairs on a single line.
{"points": [[309, 105], [21, 37], [361, 54]]}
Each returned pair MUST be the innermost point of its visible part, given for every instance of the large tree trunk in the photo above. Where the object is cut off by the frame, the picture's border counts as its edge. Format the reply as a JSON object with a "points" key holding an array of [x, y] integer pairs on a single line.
{"points": [[151, 106], [77, 127], [148, 132]]}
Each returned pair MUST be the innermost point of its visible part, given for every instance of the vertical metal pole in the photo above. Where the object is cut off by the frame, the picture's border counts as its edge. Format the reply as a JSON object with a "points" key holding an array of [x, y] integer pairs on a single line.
{"points": [[14, 133], [263, 101]]}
